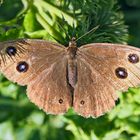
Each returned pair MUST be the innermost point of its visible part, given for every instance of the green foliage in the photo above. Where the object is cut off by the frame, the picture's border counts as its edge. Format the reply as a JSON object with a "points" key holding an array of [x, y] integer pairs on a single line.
{"points": [[59, 21], [132, 18]]}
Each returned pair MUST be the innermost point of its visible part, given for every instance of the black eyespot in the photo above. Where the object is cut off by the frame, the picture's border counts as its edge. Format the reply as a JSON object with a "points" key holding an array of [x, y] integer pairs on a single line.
{"points": [[11, 50], [22, 66], [60, 101], [82, 102], [133, 58], [121, 72]]}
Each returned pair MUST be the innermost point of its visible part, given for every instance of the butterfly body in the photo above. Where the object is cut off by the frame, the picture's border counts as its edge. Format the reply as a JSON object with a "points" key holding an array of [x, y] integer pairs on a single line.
{"points": [[59, 77], [72, 63]]}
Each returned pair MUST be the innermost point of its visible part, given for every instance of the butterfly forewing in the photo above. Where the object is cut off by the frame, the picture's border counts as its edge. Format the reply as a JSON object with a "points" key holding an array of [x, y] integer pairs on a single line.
{"points": [[42, 66], [38, 55], [108, 58]]}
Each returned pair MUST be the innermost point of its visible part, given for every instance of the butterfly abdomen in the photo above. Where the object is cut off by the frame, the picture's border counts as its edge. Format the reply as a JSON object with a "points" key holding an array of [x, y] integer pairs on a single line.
{"points": [[72, 72]]}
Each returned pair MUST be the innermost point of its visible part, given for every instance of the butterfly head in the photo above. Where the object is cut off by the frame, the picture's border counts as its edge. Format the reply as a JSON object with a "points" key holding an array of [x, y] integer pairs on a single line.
{"points": [[72, 49], [72, 43]]}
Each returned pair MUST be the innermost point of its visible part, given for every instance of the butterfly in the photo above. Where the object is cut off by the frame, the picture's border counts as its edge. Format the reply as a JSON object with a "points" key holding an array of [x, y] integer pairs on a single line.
{"points": [[58, 77]]}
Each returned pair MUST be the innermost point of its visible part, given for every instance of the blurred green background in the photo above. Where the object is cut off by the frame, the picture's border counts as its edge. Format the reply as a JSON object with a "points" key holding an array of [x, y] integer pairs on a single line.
{"points": [[117, 22]]}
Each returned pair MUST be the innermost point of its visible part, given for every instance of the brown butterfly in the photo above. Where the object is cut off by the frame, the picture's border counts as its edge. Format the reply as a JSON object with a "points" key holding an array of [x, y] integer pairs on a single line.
{"points": [[59, 77]]}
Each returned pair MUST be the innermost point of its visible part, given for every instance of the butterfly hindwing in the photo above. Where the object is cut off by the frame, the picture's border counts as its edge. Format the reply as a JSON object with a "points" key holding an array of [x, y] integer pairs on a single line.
{"points": [[92, 95], [50, 90]]}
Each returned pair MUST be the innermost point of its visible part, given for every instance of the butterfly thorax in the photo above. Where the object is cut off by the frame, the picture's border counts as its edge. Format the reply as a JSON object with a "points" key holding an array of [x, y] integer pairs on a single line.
{"points": [[72, 49], [72, 63]]}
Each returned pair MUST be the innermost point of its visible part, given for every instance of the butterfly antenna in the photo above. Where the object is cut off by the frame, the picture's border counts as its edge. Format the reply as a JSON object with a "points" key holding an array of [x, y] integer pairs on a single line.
{"points": [[92, 30], [74, 30]]}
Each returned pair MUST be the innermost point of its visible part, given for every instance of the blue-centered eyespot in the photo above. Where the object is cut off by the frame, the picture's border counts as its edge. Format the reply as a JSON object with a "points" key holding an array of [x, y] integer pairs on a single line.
{"points": [[11, 51], [22, 66]]}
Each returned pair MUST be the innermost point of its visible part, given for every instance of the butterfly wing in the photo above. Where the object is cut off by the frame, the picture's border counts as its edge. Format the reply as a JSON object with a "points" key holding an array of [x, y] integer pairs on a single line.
{"points": [[102, 69], [41, 66]]}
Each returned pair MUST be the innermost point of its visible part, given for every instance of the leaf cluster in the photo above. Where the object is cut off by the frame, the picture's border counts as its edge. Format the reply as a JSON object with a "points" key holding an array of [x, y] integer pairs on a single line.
{"points": [[62, 20]]}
